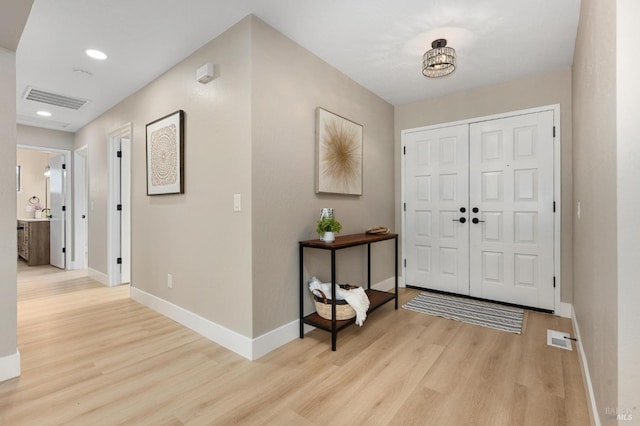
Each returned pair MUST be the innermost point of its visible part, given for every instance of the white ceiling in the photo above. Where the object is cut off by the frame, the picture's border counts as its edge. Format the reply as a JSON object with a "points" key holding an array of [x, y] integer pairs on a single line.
{"points": [[378, 43]]}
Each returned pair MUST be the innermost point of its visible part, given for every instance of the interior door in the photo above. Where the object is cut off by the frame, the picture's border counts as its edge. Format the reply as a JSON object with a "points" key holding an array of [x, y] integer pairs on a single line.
{"points": [[511, 188], [119, 211], [125, 216], [437, 197], [57, 203], [81, 197]]}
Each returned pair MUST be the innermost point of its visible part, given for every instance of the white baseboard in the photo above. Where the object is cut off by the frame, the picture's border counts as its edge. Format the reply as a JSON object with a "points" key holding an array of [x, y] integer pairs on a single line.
{"points": [[251, 349], [231, 340], [565, 310], [593, 410], [272, 340], [98, 276], [10, 366], [385, 285]]}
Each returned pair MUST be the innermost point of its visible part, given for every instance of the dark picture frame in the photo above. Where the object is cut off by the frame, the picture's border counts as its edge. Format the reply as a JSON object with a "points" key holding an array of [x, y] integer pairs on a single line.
{"points": [[165, 155]]}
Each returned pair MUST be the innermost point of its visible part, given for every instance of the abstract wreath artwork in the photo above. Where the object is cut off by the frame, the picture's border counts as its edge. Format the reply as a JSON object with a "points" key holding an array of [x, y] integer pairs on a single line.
{"points": [[165, 160], [338, 154]]}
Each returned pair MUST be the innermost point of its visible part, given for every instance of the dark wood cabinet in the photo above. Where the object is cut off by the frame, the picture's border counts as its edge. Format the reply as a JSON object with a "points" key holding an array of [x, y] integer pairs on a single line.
{"points": [[376, 298], [33, 241]]}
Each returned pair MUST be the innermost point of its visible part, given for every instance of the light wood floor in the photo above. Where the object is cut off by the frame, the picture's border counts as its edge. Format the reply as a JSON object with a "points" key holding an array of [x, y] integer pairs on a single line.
{"points": [[91, 355]]}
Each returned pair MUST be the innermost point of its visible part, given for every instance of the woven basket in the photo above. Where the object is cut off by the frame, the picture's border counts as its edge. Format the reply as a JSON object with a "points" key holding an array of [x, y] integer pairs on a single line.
{"points": [[323, 307]]}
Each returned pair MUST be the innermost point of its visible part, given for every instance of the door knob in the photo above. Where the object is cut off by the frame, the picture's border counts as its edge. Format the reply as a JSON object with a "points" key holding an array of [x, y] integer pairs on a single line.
{"points": [[461, 220], [476, 220]]}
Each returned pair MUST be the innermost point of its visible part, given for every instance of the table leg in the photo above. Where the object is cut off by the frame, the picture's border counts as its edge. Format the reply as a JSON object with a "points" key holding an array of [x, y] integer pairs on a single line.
{"points": [[334, 331], [369, 266], [396, 278], [301, 249]]}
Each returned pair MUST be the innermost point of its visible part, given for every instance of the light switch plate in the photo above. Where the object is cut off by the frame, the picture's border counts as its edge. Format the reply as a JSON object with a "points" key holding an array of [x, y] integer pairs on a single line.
{"points": [[237, 202]]}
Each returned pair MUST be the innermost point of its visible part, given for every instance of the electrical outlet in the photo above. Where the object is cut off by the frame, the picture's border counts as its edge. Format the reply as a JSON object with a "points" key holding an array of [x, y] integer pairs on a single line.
{"points": [[170, 280]]}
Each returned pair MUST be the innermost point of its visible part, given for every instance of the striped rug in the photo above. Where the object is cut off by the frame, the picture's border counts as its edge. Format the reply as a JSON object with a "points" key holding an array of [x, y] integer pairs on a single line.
{"points": [[471, 311]]}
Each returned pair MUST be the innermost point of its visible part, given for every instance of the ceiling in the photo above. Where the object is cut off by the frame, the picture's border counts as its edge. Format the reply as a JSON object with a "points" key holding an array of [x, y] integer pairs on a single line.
{"points": [[378, 43]]}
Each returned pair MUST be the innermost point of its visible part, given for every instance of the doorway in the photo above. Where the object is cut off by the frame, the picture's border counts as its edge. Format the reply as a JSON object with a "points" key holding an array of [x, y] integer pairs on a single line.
{"points": [[45, 176], [480, 217]]}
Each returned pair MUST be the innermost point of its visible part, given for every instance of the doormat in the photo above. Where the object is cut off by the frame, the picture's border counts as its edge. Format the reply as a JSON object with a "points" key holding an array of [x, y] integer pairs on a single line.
{"points": [[485, 314]]}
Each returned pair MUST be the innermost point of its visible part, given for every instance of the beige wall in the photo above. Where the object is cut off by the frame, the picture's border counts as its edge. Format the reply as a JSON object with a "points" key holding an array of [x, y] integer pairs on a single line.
{"points": [[196, 236], [594, 176], [45, 138], [628, 157], [288, 83], [32, 165], [540, 90], [8, 247], [250, 131]]}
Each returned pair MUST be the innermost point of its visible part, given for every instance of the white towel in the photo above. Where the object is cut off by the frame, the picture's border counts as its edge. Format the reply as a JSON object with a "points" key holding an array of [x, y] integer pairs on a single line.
{"points": [[358, 300], [315, 284], [356, 297]]}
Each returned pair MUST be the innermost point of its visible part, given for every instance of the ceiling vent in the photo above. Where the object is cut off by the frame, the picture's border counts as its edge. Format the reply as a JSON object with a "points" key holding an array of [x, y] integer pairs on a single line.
{"points": [[37, 95]]}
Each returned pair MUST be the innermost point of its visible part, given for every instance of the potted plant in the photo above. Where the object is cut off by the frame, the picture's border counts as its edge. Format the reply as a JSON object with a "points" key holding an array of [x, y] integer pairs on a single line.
{"points": [[327, 228]]}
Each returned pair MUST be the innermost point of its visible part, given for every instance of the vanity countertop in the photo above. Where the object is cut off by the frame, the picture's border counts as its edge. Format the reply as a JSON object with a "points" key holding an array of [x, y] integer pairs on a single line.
{"points": [[33, 220]]}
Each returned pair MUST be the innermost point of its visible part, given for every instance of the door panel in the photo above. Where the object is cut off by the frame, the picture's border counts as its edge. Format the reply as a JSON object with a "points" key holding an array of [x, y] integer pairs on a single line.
{"points": [[436, 188], [57, 222], [511, 184]]}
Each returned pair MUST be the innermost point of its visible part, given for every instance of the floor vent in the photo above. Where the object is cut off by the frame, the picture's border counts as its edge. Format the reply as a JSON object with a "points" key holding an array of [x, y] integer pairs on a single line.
{"points": [[37, 95], [559, 339]]}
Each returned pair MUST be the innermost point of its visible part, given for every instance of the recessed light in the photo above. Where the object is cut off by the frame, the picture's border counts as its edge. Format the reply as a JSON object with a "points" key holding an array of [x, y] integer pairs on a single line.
{"points": [[44, 113], [96, 54]]}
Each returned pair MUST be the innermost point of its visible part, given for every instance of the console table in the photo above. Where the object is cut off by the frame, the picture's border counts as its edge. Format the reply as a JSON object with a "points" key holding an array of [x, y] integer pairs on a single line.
{"points": [[376, 298]]}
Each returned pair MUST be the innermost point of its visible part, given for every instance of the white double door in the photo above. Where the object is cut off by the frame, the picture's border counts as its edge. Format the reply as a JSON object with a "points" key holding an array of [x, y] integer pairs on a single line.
{"points": [[479, 211]]}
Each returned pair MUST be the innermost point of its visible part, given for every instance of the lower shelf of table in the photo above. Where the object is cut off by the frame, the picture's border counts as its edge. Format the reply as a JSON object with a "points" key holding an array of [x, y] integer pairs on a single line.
{"points": [[376, 299]]}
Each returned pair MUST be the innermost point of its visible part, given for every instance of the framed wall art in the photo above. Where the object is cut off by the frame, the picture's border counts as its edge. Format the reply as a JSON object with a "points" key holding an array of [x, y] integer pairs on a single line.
{"points": [[338, 154], [165, 155]]}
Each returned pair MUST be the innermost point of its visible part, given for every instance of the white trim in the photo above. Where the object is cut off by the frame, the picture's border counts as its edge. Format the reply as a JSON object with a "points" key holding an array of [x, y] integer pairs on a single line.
{"points": [[80, 155], [582, 358], [386, 285], [10, 366], [251, 349], [558, 308], [273, 339], [500, 116], [68, 197], [114, 233], [231, 340], [564, 310], [403, 225], [101, 277], [557, 222]]}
